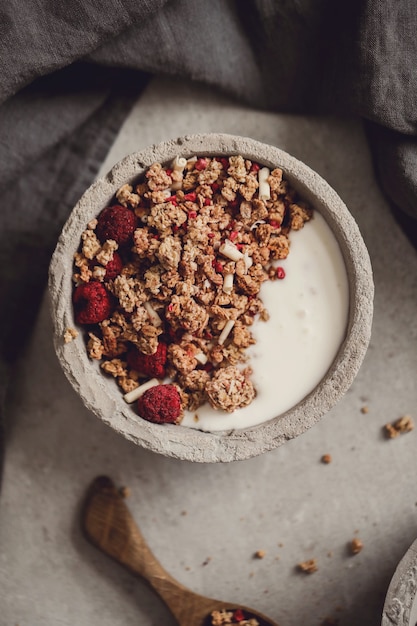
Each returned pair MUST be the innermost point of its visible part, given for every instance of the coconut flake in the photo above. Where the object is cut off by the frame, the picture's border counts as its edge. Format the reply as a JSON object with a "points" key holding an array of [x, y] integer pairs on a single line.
{"points": [[248, 261], [228, 283], [155, 319], [229, 250], [225, 332], [257, 223], [179, 163], [201, 358], [264, 191], [133, 395]]}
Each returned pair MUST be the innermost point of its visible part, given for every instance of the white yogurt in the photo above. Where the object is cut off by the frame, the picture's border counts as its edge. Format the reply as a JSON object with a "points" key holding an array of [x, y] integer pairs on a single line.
{"points": [[297, 345]]}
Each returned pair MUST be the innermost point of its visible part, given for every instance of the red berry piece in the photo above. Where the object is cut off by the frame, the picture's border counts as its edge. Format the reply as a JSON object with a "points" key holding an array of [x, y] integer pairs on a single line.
{"points": [[239, 615], [160, 404], [151, 365], [116, 222], [200, 164], [280, 273], [113, 267], [92, 303]]}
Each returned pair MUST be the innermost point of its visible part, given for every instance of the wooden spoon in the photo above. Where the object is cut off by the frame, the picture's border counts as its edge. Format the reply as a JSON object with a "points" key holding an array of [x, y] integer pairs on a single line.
{"points": [[109, 525]]}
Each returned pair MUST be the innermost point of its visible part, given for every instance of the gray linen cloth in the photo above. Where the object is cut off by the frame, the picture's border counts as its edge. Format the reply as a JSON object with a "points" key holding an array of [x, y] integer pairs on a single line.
{"points": [[71, 70]]}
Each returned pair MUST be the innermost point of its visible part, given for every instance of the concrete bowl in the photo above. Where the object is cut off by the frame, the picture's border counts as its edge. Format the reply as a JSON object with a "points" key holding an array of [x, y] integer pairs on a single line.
{"points": [[100, 394], [400, 607]]}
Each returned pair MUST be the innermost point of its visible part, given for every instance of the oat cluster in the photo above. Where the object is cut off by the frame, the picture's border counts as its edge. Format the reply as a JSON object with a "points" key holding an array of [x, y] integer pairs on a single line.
{"points": [[209, 231], [400, 426]]}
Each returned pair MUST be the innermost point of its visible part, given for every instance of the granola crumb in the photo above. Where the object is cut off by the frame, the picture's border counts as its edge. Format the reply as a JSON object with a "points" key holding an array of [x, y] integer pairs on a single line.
{"points": [[355, 546], [70, 334], [206, 561], [365, 409], [124, 492], [326, 459], [400, 426], [259, 554], [308, 567]]}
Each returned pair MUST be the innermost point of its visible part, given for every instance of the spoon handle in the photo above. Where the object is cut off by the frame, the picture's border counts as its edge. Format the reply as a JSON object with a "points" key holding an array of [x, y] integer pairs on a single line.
{"points": [[109, 525]]}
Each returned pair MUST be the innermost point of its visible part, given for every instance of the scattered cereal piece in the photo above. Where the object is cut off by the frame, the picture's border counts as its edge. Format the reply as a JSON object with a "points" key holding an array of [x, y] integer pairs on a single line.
{"points": [[402, 425], [355, 546], [308, 567], [124, 492], [326, 459], [365, 409], [259, 554], [70, 334]]}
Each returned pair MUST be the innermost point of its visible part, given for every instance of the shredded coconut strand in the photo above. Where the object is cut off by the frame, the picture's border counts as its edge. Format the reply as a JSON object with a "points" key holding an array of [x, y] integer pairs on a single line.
{"points": [[133, 395], [229, 250], [155, 319], [228, 283], [225, 332], [264, 192]]}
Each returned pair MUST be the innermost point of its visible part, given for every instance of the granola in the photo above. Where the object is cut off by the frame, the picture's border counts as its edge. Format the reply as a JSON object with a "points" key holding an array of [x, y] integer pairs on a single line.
{"points": [[195, 240], [234, 616]]}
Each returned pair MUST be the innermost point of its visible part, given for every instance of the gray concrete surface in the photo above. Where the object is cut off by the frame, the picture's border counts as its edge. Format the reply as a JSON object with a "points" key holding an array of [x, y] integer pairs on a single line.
{"points": [[205, 522]]}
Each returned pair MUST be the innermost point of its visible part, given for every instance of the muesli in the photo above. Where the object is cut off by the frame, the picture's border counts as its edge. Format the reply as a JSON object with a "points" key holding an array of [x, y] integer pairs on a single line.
{"points": [[167, 280]]}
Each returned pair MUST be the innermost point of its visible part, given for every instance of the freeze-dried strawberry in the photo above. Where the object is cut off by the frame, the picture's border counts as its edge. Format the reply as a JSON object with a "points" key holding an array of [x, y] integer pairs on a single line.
{"points": [[160, 404], [113, 267], [116, 222], [92, 303], [151, 365]]}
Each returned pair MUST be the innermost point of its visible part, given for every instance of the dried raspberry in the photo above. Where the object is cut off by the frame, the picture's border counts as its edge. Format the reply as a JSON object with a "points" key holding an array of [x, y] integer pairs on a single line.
{"points": [[200, 164], [92, 303], [160, 404], [239, 615], [280, 273], [113, 267], [116, 222], [152, 365]]}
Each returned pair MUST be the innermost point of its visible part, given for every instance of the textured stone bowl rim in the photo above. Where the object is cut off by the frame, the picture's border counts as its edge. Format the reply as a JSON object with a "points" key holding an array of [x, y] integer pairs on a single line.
{"points": [[102, 396], [398, 605]]}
